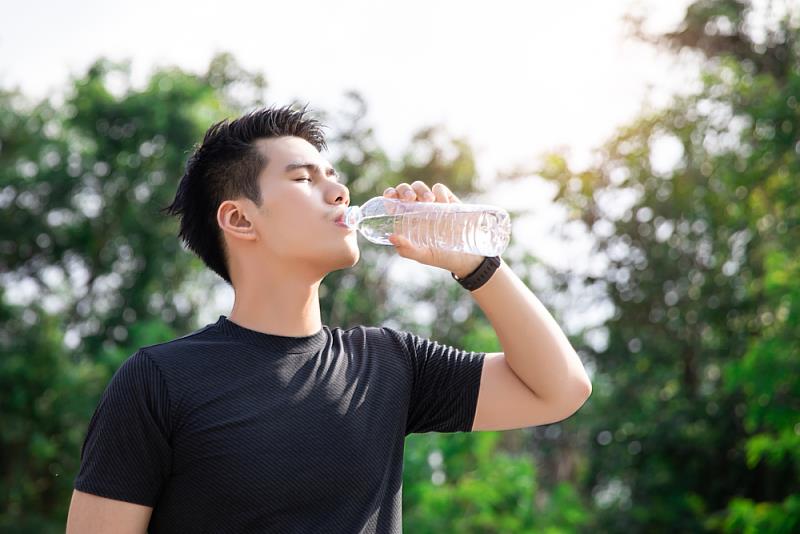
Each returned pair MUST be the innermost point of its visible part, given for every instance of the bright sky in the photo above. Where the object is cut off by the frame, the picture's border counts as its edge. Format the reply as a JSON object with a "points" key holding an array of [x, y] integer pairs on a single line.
{"points": [[516, 78]]}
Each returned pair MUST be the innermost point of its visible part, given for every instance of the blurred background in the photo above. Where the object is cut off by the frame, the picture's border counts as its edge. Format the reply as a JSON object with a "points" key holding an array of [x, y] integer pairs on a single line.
{"points": [[647, 151]]}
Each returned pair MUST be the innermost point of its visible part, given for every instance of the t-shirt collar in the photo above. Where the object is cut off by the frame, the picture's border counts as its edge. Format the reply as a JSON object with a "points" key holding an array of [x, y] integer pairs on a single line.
{"points": [[273, 342]]}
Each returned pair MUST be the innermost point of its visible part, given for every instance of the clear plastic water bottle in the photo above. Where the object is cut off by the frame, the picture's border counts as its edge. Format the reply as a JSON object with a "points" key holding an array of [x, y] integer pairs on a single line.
{"points": [[471, 228]]}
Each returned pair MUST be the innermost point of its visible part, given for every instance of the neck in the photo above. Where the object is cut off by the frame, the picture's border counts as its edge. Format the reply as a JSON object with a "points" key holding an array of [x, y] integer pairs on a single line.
{"points": [[279, 300]]}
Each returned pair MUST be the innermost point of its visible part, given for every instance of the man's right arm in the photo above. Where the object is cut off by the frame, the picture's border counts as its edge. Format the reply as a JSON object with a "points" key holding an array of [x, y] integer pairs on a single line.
{"points": [[126, 456], [89, 514]]}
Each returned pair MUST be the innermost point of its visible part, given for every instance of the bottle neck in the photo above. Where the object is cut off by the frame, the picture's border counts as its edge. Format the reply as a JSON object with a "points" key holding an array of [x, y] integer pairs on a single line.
{"points": [[353, 216]]}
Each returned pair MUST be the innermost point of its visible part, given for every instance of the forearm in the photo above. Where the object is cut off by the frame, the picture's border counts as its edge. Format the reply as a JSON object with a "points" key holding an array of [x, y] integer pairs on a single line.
{"points": [[535, 347]]}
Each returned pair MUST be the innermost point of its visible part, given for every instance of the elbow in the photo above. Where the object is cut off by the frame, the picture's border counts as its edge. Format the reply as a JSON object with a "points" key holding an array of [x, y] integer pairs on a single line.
{"points": [[587, 389], [583, 390], [573, 402]]}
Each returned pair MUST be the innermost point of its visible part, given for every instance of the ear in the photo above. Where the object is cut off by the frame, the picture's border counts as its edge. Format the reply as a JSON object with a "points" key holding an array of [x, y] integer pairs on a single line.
{"points": [[232, 218]]}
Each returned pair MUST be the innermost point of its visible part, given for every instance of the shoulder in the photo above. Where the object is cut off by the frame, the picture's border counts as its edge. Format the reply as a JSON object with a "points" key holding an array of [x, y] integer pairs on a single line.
{"points": [[190, 344], [365, 333], [159, 369], [380, 341]]}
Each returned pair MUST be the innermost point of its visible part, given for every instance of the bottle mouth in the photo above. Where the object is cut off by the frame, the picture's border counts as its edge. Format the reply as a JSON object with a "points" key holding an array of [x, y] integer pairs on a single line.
{"points": [[352, 216]]}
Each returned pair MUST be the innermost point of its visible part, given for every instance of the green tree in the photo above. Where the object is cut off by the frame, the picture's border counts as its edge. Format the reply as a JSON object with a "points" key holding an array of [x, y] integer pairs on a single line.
{"points": [[696, 207]]}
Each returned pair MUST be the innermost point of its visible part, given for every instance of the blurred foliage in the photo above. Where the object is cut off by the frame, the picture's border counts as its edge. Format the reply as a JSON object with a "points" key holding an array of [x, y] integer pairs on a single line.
{"points": [[696, 406]]}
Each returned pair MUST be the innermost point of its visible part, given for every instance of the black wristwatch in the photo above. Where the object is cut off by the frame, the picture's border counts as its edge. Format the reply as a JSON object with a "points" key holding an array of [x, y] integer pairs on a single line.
{"points": [[481, 275]]}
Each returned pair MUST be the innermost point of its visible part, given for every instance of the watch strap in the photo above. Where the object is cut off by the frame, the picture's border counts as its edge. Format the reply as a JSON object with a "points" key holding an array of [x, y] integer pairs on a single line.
{"points": [[480, 275]]}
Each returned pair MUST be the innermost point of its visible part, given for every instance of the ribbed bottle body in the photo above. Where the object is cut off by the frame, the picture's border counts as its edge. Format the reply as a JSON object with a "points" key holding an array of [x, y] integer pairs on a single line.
{"points": [[471, 228]]}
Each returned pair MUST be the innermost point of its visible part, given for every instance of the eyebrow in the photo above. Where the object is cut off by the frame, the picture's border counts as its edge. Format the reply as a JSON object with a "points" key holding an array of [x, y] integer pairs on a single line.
{"points": [[312, 168]]}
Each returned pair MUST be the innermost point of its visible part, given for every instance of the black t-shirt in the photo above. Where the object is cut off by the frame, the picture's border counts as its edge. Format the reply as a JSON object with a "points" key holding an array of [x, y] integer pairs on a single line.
{"points": [[232, 430]]}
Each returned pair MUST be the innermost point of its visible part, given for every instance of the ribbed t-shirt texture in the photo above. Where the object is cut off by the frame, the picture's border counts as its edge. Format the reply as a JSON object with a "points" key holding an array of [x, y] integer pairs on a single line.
{"points": [[229, 429]]}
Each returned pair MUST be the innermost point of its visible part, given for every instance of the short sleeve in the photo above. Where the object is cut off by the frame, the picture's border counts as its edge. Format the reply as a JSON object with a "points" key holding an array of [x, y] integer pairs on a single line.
{"points": [[445, 385], [127, 454]]}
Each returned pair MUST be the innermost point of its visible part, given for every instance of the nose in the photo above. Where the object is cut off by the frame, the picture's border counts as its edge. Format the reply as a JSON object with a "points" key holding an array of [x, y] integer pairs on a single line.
{"points": [[339, 194]]}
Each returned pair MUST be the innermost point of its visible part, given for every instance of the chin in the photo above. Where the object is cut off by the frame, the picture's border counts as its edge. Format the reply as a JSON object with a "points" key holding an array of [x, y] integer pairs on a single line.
{"points": [[355, 261], [356, 255], [348, 259]]}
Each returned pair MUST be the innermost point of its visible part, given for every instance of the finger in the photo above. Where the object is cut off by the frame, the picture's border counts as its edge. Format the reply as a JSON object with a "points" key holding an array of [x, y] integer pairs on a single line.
{"points": [[451, 197], [390, 192], [406, 192], [423, 191], [441, 193]]}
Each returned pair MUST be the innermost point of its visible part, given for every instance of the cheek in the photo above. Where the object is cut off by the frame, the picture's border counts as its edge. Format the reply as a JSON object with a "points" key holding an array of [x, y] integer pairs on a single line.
{"points": [[287, 231]]}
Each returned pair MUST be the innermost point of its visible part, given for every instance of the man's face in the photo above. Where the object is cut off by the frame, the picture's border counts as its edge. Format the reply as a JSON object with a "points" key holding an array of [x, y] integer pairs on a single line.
{"points": [[301, 200]]}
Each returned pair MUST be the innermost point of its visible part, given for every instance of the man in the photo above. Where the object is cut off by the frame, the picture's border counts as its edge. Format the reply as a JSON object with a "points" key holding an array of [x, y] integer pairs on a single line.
{"points": [[270, 421]]}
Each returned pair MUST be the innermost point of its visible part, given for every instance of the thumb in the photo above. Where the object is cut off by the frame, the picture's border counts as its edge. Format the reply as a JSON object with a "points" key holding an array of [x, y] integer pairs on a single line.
{"points": [[403, 246], [406, 249]]}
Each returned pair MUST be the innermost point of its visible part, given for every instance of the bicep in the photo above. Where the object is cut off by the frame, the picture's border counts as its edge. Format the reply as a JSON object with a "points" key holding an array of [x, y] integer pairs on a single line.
{"points": [[91, 513], [506, 403]]}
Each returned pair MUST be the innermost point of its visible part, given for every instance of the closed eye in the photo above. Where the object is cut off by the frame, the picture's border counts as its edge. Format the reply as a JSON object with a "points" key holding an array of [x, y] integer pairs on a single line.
{"points": [[313, 169], [301, 179]]}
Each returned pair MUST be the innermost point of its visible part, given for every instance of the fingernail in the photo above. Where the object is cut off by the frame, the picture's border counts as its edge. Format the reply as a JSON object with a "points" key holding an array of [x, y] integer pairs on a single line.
{"points": [[408, 194], [390, 191]]}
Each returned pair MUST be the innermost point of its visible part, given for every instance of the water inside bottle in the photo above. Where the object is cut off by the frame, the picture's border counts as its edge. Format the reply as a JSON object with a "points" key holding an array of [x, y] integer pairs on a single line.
{"points": [[477, 231]]}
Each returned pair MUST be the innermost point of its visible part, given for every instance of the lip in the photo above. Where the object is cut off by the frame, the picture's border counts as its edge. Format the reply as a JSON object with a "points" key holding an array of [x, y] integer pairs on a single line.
{"points": [[340, 222]]}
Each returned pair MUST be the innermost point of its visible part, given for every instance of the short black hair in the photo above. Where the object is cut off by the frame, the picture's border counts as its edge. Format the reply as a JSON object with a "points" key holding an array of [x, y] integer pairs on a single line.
{"points": [[226, 166]]}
